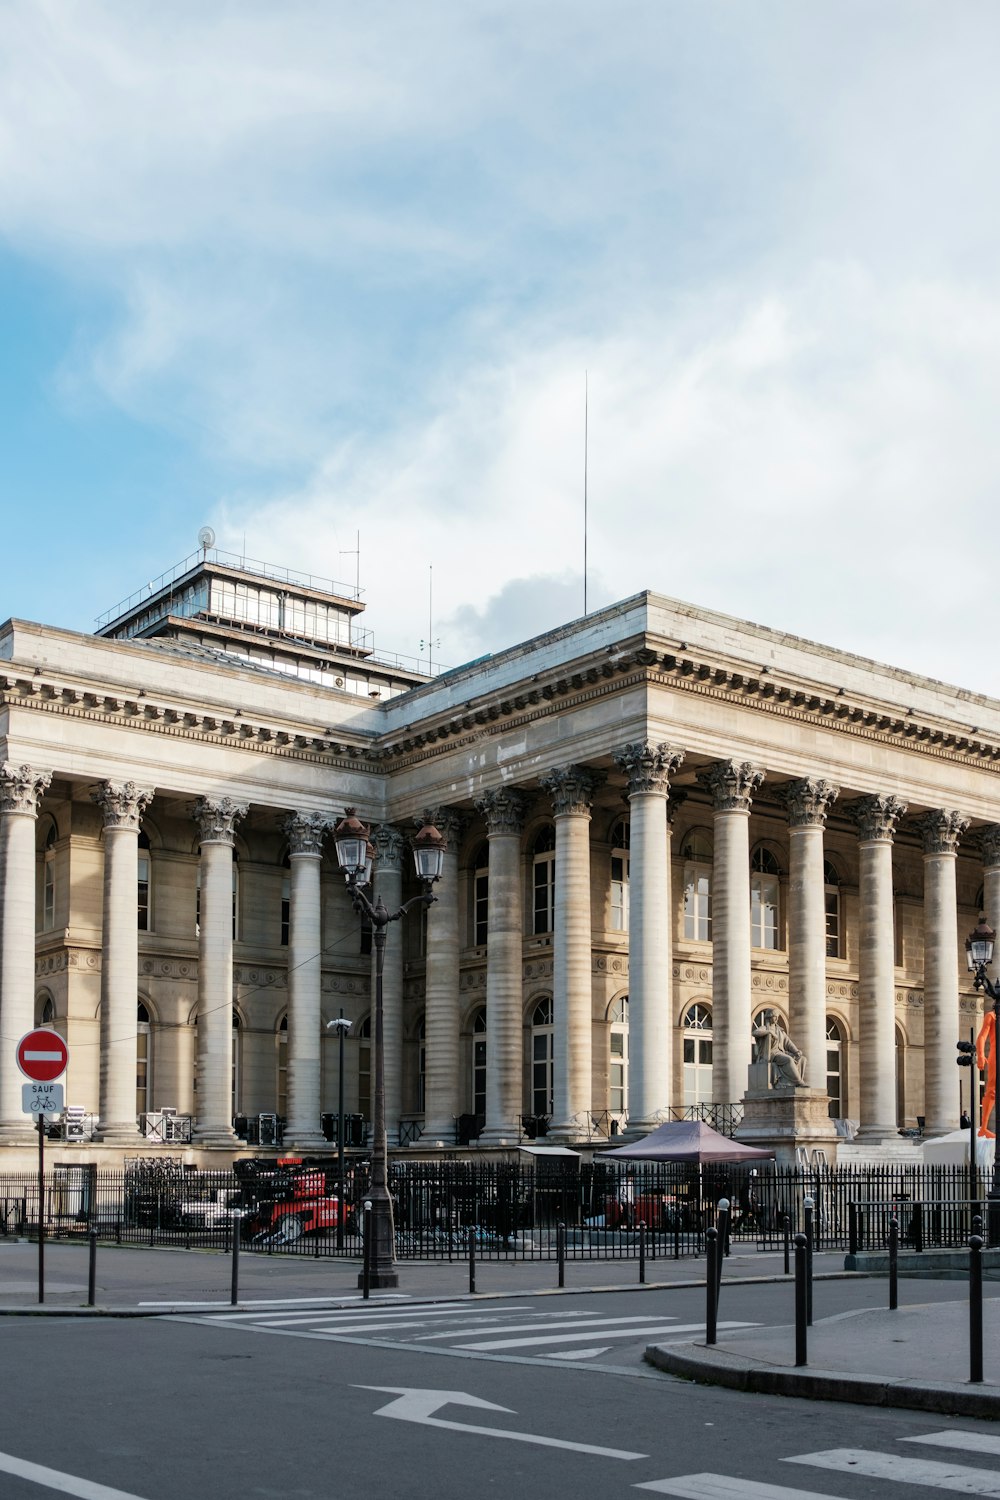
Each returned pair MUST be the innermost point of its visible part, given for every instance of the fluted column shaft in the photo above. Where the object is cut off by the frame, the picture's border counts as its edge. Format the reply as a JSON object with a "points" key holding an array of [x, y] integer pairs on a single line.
{"points": [[122, 808], [941, 831], [390, 851], [504, 813], [571, 789], [648, 768], [732, 784], [876, 818], [305, 837], [442, 1020], [807, 803], [217, 819], [21, 787]]}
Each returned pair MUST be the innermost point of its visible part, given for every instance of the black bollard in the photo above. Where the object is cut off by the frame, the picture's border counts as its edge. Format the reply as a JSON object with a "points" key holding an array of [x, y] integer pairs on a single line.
{"points": [[893, 1264], [234, 1280], [472, 1257], [677, 1234], [711, 1284], [561, 1252], [975, 1310], [786, 1231], [724, 1221], [807, 1207], [642, 1252], [92, 1269], [852, 1229], [366, 1275], [801, 1298]]}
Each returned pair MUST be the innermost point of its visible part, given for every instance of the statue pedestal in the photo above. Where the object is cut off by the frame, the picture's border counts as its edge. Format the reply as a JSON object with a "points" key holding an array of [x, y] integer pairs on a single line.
{"points": [[782, 1119]]}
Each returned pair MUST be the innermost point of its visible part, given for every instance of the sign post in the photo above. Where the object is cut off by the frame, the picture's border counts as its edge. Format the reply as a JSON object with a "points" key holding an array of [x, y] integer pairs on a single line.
{"points": [[42, 1056]]}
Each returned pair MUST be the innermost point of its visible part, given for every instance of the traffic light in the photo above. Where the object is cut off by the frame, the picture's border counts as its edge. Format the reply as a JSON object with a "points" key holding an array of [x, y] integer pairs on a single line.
{"points": [[966, 1054]]}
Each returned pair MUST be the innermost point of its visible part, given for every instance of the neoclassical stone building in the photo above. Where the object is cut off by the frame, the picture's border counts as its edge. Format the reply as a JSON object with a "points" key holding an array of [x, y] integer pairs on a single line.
{"points": [[659, 821]]}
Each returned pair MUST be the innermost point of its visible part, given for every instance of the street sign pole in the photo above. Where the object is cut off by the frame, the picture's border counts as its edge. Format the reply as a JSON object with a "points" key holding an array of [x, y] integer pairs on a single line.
{"points": [[42, 1056], [41, 1209]]}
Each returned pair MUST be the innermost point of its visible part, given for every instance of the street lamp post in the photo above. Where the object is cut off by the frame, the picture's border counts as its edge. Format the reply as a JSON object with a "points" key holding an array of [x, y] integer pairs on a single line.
{"points": [[978, 954], [342, 1026], [355, 856]]}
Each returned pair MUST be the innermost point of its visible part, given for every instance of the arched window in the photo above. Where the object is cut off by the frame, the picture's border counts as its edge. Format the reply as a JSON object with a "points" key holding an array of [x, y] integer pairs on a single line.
{"points": [[542, 1054], [696, 851], [49, 880], [618, 1061], [143, 883], [764, 899], [286, 900], [831, 896], [543, 856], [619, 876], [281, 1052], [364, 1035], [48, 1012], [697, 1055], [479, 1062], [836, 1082], [143, 1058], [481, 896]]}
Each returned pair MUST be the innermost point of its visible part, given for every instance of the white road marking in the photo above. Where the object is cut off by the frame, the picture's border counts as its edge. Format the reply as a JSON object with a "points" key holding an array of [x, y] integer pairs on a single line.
{"points": [[958, 1478], [370, 1325], [972, 1442], [726, 1487], [66, 1484], [579, 1353], [556, 1324], [264, 1303], [654, 1330], [415, 1405]]}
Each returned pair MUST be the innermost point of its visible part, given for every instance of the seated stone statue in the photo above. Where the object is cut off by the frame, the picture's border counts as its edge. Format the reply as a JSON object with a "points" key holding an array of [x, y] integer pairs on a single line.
{"points": [[773, 1045]]}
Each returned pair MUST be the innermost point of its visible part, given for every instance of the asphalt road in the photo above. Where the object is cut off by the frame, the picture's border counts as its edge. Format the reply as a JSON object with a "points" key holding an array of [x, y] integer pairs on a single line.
{"points": [[235, 1409]]}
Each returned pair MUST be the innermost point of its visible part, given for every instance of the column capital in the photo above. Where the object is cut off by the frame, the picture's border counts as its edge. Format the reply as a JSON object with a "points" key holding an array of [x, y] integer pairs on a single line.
{"points": [[987, 838], [504, 810], [732, 784], [122, 804], [21, 788], [305, 830], [941, 830], [876, 817], [571, 788], [648, 766], [391, 847], [217, 818], [807, 801], [449, 821]]}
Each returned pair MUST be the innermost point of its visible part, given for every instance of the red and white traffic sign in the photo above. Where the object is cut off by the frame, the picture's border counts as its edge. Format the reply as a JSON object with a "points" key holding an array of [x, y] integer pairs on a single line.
{"points": [[42, 1055]]}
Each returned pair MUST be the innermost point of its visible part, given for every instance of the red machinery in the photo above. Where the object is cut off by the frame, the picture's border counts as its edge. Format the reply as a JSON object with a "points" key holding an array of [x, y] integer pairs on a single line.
{"points": [[288, 1198]]}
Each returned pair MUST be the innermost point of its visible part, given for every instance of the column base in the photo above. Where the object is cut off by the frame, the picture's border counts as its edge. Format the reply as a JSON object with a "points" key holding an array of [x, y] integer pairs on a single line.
{"points": [[499, 1135], [215, 1135], [438, 1133], [118, 1133], [311, 1141], [17, 1132]]}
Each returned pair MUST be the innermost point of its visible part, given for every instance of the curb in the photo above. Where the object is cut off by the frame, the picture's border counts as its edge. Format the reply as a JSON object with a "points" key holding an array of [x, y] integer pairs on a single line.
{"points": [[708, 1366]]}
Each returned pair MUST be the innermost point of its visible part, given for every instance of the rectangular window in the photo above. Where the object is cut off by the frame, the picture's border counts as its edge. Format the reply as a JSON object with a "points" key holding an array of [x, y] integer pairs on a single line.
{"points": [[764, 911], [833, 924], [698, 905], [481, 899], [619, 893], [286, 909], [143, 892], [545, 875]]}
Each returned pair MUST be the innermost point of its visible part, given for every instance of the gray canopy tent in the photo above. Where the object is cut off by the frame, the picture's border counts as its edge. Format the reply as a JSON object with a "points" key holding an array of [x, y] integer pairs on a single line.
{"points": [[682, 1143], [686, 1140]]}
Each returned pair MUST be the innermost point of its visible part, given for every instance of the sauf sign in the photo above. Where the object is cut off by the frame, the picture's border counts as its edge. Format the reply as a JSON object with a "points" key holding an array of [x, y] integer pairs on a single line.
{"points": [[42, 1056]]}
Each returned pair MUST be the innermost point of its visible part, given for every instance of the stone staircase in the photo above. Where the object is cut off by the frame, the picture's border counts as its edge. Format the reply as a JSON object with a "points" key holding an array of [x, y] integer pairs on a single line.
{"points": [[898, 1152]]}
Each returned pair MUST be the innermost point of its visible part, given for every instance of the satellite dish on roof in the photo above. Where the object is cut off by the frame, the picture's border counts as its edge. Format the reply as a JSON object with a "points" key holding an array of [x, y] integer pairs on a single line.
{"points": [[206, 538]]}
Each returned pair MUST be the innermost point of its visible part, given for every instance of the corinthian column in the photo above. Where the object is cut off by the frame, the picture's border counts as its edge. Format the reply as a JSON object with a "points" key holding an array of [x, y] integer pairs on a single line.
{"points": [[21, 787], [122, 808], [391, 850], [504, 813], [572, 789], [442, 1074], [216, 820], [732, 784], [648, 768], [876, 818], [941, 831], [305, 852], [988, 838], [808, 803]]}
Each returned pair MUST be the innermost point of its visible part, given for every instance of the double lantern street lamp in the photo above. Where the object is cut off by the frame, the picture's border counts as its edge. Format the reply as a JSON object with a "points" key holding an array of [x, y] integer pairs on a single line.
{"points": [[978, 955], [356, 856]]}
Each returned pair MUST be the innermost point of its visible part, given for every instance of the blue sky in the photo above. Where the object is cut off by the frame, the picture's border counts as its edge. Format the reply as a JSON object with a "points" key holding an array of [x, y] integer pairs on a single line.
{"points": [[309, 270]]}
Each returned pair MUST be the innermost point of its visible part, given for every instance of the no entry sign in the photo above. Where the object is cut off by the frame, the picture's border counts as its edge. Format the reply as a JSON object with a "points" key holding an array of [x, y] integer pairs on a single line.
{"points": [[42, 1055]]}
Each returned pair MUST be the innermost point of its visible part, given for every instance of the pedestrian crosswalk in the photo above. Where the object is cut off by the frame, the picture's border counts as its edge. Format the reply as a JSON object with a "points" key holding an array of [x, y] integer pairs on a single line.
{"points": [[915, 1471], [495, 1331]]}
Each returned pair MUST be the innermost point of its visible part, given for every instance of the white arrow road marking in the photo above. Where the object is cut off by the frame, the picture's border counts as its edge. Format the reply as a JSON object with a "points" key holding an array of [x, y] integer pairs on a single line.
{"points": [[725, 1487], [579, 1353], [66, 1484], [415, 1405], [654, 1330], [911, 1471], [972, 1442]]}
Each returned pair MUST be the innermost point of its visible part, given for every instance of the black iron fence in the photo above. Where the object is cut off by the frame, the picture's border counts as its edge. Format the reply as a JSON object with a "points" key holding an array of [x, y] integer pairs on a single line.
{"points": [[602, 1208]]}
